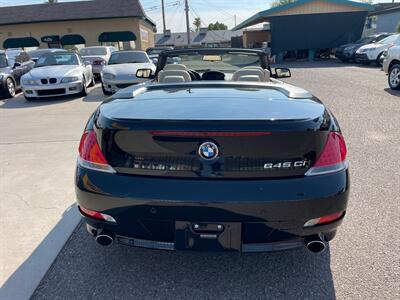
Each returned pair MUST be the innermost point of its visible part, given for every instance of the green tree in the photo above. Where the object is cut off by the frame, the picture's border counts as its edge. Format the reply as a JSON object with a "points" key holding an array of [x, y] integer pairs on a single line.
{"points": [[51, 1], [217, 26], [197, 24], [276, 3]]}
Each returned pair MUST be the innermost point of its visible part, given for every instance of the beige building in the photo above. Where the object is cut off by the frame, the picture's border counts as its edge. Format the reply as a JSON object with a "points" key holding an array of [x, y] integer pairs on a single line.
{"points": [[122, 23]]}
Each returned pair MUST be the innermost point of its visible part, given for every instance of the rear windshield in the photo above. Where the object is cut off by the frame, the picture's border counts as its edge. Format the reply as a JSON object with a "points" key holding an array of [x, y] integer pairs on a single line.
{"points": [[130, 57], [3, 61], [226, 62], [93, 51]]}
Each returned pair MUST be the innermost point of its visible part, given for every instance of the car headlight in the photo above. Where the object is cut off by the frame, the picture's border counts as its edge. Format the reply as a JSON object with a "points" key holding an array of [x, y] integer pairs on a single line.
{"points": [[348, 49], [69, 79], [28, 82], [109, 76]]}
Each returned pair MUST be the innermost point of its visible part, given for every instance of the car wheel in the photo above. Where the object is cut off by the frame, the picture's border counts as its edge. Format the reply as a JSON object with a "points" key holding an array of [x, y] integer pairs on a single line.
{"points": [[84, 91], [93, 82], [105, 92], [394, 77], [378, 60], [10, 88]]}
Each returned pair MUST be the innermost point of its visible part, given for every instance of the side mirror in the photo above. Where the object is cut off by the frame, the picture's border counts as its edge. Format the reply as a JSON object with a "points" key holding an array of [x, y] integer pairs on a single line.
{"points": [[155, 61], [144, 73], [282, 73], [16, 65]]}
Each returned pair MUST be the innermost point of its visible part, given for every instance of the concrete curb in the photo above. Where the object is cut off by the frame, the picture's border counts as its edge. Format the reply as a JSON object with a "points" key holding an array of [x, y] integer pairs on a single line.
{"points": [[24, 281]]}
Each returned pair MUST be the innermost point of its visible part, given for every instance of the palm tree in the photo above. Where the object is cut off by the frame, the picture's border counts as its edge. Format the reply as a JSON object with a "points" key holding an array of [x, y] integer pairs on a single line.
{"points": [[197, 23], [52, 1]]}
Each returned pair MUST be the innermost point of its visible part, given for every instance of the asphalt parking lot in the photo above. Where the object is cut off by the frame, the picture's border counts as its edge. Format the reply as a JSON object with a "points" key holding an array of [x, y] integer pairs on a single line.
{"points": [[37, 154]]}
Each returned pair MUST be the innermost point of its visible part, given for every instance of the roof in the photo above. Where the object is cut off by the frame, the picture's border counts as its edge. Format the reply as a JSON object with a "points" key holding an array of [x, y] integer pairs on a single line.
{"points": [[385, 8], [179, 39], [67, 11], [260, 17]]}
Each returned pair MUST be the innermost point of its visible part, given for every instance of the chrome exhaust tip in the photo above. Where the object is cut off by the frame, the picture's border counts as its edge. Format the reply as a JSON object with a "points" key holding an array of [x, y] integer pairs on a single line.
{"points": [[104, 238], [315, 244]]}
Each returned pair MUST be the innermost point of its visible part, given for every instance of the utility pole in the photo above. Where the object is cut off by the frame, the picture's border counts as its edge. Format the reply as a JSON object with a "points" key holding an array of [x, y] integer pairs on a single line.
{"points": [[187, 21], [163, 16], [235, 20]]}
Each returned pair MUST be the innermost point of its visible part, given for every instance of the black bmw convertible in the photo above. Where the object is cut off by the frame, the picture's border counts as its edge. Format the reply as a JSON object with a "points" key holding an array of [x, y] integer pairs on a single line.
{"points": [[212, 153]]}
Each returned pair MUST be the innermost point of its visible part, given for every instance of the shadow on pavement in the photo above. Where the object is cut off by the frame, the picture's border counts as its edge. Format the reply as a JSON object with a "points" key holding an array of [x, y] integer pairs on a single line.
{"points": [[95, 95], [20, 102], [84, 270], [392, 92], [23, 282]]}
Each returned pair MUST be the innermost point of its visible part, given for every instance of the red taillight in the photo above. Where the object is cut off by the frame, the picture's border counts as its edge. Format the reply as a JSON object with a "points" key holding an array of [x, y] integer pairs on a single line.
{"points": [[90, 154], [332, 158], [98, 62], [324, 219], [334, 151], [96, 215]]}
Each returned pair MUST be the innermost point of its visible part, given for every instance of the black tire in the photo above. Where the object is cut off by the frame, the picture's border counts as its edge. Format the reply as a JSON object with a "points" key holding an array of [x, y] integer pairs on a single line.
{"points": [[93, 82], [105, 92], [84, 91], [10, 89], [378, 60], [394, 77]]}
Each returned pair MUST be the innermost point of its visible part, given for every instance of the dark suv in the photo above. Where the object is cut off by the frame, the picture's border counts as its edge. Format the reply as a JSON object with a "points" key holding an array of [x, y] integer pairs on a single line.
{"points": [[347, 52], [13, 64]]}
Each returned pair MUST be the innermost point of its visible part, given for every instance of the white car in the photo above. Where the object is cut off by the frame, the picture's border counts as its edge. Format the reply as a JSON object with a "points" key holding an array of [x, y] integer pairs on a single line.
{"points": [[57, 74], [372, 52], [98, 56], [391, 65], [120, 72]]}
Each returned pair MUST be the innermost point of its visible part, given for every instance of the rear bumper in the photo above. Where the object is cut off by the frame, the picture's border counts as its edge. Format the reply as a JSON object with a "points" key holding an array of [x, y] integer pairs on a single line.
{"points": [[264, 215]]}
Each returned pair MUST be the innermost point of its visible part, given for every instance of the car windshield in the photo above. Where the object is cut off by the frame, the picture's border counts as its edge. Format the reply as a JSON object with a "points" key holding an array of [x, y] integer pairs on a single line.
{"points": [[227, 62], [54, 59], [365, 40], [130, 57], [93, 51], [3, 60], [389, 39]]}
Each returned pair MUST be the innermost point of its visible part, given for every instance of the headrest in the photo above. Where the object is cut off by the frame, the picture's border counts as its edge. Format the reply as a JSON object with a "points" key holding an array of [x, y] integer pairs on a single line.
{"points": [[263, 75], [163, 74], [171, 79], [171, 67], [254, 78]]}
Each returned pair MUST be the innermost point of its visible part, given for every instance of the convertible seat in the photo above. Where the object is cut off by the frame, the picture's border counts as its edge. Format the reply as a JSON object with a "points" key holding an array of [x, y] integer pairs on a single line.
{"points": [[171, 67], [173, 75], [250, 74]]}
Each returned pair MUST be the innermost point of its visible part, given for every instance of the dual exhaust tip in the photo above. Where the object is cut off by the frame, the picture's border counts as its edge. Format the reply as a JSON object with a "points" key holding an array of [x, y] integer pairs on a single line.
{"points": [[105, 238], [315, 244]]}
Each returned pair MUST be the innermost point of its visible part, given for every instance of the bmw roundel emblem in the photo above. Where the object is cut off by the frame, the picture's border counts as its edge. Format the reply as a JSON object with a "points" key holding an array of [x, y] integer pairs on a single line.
{"points": [[208, 151]]}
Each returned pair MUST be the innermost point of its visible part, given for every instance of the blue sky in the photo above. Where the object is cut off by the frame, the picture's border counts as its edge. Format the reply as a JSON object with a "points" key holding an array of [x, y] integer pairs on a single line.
{"points": [[208, 10]]}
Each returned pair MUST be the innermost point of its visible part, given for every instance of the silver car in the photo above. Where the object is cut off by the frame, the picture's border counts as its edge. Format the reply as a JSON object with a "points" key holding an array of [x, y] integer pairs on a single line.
{"points": [[57, 74], [120, 72], [97, 56]]}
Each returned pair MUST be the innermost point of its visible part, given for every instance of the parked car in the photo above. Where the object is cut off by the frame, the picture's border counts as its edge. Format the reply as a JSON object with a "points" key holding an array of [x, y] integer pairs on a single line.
{"points": [[211, 155], [120, 72], [371, 53], [391, 65], [154, 52], [347, 52], [13, 64], [35, 54], [57, 74], [98, 56]]}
